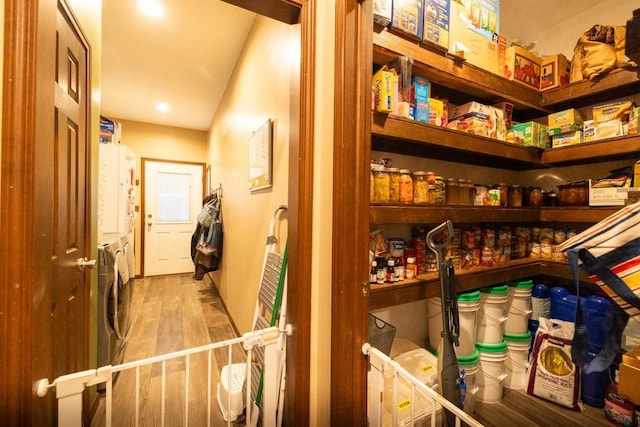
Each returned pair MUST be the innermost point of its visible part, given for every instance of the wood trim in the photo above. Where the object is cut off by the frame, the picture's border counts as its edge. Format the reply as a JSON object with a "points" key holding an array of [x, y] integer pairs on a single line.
{"points": [[143, 209], [287, 11], [16, 208], [352, 149], [300, 217]]}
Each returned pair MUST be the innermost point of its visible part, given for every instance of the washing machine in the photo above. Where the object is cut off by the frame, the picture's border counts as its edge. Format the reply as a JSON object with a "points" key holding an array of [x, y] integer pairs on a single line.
{"points": [[114, 302]]}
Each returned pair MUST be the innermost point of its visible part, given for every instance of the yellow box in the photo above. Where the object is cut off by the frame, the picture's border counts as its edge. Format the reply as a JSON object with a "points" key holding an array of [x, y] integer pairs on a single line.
{"points": [[555, 72], [629, 376], [522, 66], [385, 88], [436, 112], [636, 174], [566, 139], [564, 118]]}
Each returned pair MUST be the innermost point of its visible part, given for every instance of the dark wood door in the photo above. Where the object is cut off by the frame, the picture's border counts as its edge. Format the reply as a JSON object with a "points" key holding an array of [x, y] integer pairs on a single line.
{"points": [[45, 181]]}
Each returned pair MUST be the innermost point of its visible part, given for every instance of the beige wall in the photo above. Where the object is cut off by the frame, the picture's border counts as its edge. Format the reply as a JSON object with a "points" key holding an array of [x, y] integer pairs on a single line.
{"points": [[258, 90], [159, 142]]}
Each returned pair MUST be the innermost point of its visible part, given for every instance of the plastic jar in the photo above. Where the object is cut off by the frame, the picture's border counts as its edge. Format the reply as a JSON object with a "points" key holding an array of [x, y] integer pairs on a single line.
{"points": [[515, 196], [394, 184], [381, 184], [441, 191], [406, 187], [452, 191], [420, 187]]}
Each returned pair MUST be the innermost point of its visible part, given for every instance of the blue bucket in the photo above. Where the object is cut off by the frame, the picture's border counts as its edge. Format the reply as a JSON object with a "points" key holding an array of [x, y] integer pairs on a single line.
{"points": [[594, 385], [598, 319], [563, 305]]}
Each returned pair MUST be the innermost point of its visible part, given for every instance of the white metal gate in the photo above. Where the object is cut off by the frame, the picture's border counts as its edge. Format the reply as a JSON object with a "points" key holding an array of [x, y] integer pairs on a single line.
{"points": [[389, 409], [69, 388]]}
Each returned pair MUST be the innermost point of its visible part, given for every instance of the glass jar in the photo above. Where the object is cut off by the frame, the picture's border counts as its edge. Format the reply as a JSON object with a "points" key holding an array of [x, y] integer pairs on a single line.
{"points": [[463, 192], [381, 184], [504, 194], [406, 187], [441, 191], [515, 196], [394, 184], [452, 191], [535, 197], [420, 187], [431, 178], [432, 194], [471, 196]]}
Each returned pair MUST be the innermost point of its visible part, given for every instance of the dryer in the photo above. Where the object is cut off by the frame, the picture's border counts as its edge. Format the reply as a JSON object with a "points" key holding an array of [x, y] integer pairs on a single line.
{"points": [[114, 302]]}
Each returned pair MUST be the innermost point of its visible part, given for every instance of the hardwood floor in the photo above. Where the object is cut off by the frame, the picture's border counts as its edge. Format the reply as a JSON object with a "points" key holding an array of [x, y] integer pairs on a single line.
{"points": [[172, 313]]}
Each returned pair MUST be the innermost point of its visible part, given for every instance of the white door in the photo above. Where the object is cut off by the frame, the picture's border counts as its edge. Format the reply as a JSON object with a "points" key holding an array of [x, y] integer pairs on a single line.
{"points": [[172, 201]]}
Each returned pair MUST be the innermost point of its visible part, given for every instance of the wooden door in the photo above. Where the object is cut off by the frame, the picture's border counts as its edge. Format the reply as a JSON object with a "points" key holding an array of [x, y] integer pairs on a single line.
{"points": [[45, 179]]}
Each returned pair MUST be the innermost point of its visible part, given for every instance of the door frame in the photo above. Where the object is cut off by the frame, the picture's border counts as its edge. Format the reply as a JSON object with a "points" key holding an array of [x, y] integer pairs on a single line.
{"points": [[143, 197]]}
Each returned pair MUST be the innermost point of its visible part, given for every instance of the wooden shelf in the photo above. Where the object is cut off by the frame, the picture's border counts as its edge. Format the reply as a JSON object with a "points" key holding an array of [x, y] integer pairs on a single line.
{"points": [[626, 147], [401, 135], [576, 214], [420, 214], [454, 74]]}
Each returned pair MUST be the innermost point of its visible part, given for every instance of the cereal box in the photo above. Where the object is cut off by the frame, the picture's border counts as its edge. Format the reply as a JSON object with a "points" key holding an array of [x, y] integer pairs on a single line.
{"points": [[382, 12], [555, 72], [407, 17], [436, 22]]}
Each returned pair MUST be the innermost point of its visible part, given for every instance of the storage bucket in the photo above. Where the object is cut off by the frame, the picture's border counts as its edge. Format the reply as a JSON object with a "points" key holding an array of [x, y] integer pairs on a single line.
{"points": [[421, 364], [540, 302], [517, 361], [518, 307], [421, 406], [598, 319], [469, 365], [434, 322], [491, 375], [468, 306], [491, 316], [563, 305], [594, 385]]}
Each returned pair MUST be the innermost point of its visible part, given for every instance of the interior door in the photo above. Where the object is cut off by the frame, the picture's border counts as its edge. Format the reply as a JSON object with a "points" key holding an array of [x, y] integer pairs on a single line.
{"points": [[173, 195]]}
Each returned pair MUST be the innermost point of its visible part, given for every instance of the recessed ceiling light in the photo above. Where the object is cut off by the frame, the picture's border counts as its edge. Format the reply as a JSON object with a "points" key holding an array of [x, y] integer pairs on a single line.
{"points": [[163, 107], [151, 8]]}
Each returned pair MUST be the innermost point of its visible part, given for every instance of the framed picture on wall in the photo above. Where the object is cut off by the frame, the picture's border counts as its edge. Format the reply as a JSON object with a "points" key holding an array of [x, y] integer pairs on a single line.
{"points": [[260, 157]]}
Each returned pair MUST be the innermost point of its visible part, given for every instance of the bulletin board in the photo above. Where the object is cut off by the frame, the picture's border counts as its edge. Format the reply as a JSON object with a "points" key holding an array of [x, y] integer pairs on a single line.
{"points": [[260, 157]]}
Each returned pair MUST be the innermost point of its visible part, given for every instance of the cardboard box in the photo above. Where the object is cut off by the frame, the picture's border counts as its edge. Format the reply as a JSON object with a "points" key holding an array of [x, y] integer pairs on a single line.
{"points": [[566, 139], [636, 174], [611, 120], [612, 196], [507, 111], [382, 12], [471, 123], [555, 72], [474, 47], [436, 112], [629, 376], [385, 87], [436, 22], [420, 92], [474, 107], [530, 134], [634, 121], [484, 17], [523, 67], [588, 131], [564, 129], [407, 17], [565, 117]]}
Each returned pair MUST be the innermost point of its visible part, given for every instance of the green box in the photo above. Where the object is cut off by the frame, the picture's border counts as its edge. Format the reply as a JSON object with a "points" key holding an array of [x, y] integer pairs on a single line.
{"points": [[530, 134]]}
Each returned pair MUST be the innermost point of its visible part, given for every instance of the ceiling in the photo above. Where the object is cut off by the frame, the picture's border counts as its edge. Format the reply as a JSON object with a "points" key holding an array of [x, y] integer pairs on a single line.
{"points": [[183, 59], [186, 58]]}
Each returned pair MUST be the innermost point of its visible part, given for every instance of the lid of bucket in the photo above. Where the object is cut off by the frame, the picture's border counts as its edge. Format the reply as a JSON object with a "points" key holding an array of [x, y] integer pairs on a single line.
{"points": [[518, 337], [540, 291], [492, 348], [469, 296], [469, 360], [528, 284], [500, 289]]}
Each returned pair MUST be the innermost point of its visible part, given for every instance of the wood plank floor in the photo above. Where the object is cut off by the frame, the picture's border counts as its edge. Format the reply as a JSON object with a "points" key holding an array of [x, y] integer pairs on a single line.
{"points": [[172, 313]]}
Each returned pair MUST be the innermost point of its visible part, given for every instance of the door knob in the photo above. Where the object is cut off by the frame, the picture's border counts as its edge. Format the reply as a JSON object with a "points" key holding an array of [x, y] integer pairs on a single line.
{"points": [[85, 263]]}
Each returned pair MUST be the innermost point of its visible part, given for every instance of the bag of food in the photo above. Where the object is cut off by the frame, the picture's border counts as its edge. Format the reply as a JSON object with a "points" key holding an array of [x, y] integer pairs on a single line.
{"points": [[552, 375], [598, 51]]}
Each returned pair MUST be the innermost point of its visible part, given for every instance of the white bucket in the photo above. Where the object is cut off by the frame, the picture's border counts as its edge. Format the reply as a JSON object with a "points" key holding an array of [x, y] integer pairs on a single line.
{"points": [[469, 364], [434, 322], [491, 316], [468, 306], [491, 374], [517, 361], [518, 307]]}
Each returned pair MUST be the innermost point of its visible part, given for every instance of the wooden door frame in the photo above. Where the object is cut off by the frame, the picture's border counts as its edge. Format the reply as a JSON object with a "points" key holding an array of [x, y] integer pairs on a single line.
{"points": [[143, 195]]}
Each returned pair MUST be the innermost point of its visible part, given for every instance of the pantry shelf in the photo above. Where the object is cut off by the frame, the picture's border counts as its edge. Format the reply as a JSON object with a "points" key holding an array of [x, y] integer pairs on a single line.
{"points": [[452, 73], [428, 285], [625, 147], [576, 214], [417, 214], [406, 136]]}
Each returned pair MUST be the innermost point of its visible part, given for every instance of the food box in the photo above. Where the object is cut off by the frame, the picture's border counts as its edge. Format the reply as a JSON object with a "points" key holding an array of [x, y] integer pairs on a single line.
{"points": [[385, 87], [566, 139], [564, 129], [382, 12], [634, 121], [407, 17], [565, 117], [471, 123], [588, 131], [636, 174], [477, 108], [484, 17], [436, 112], [109, 131], [436, 23], [629, 376], [530, 134], [522, 66], [611, 119], [609, 196], [507, 111], [555, 71], [468, 43], [419, 108]]}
